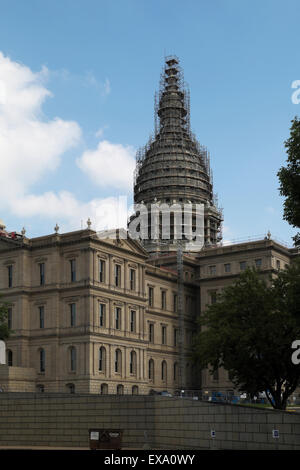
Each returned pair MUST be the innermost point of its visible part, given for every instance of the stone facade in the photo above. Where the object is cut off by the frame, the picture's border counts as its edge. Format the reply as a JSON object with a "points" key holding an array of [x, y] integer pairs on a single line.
{"points": [[80, 315], [95, 315]]}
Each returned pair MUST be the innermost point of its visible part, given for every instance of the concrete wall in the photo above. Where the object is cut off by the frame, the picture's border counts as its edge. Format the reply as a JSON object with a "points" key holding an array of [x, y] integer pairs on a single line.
{"points": [[17, 378], [61, 420]]}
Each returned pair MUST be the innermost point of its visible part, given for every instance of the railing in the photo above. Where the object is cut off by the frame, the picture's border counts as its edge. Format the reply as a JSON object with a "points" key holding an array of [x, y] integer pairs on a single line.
{"points": [[255, 238]]}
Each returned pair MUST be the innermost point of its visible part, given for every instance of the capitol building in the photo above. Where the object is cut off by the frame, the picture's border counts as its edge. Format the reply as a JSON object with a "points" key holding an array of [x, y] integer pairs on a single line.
{"points": [[116, 314]]}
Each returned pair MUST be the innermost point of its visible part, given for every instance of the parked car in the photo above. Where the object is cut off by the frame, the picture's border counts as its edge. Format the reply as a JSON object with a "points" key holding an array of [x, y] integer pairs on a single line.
{"points": [[165, 393]]}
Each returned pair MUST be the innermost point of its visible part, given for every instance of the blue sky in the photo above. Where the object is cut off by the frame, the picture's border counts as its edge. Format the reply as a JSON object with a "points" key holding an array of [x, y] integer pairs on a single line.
{"points": [[85, 73]]}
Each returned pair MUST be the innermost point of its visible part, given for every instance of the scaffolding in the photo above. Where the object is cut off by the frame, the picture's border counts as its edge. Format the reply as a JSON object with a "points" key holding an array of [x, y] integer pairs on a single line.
{"points": [[180, 304], [173, 165]]}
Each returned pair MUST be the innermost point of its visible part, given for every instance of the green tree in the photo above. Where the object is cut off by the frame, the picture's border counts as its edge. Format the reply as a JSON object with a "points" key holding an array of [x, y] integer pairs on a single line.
{"points": [[249, 332], [289, 178], [4, 330]]}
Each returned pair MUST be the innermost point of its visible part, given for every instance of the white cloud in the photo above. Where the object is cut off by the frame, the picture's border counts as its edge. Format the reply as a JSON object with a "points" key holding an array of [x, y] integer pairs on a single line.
{"points": [[110, 165], [100, 132], [63, 207], [103, 88], [29, 145], [107, 87], [32, 146]]}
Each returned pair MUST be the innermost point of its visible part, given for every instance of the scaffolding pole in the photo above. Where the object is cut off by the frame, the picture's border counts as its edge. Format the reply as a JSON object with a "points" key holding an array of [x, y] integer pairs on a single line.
{"points": [[180, 287]]}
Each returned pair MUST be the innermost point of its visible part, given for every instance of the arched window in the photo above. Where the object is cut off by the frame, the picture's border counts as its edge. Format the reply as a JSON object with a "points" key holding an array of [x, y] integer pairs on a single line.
{"points": [[72, 359], [42, 360], [71, 388], [132, 365], [175, 372], [102, 357], [135, 390], [151, 370], [9, 357], [164, 371], [104, 389], [118, 361], [120, 390]]}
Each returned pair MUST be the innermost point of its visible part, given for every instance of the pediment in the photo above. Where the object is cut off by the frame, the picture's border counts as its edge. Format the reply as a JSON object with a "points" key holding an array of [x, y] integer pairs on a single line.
{"points": [[120, 238]]}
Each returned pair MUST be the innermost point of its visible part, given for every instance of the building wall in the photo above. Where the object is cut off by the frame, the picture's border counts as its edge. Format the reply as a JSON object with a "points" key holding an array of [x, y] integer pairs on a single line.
{"points": [[60, 420], [218, 268], [86, 293], [204, 277]]}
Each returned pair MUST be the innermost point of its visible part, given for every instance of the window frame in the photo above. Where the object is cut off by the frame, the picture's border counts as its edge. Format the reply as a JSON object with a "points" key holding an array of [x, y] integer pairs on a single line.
{"points": [[102, 314], [101, 270], [10, 275], [73, 270], [72, 314], [132, 279], [42, 316], [42, 273], [118, 318]]}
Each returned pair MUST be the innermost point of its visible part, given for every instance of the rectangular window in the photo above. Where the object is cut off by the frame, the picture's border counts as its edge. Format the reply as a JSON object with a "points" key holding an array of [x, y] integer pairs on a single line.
{"points": [[163, 299], [42, 360], [175, 303], [9, 318], [132, 279], [10, 275], [118, 318], [151, 296], [42, 274], [163, 334], [151, 332], [186, 299], [213, 297], [73, 314], [175, 337], [9, 358], [188, 336], [101, 314], [258, 263], [117, 275], [278, 264], [212, 270], [101, 270], [100, 365], [227, 268], [73, 270], [73, 359], [243, 265], [42, 317], [132, 320]]}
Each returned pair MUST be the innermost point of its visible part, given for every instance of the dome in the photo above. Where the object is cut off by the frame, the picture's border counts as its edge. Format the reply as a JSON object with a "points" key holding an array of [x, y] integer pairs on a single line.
{"points": [[173, 165]]}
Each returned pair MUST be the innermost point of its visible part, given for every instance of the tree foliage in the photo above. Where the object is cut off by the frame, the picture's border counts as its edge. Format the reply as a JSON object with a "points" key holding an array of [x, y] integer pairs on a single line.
{"points": [[289, 178], [249, 331], [4, 330]]}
